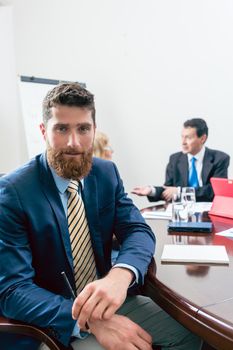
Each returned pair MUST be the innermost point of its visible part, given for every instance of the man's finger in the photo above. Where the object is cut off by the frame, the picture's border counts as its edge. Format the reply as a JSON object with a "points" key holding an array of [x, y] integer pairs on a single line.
{"points": [[87, 310], [144, 335], [99, 311], [110, 311], [80, 301]]}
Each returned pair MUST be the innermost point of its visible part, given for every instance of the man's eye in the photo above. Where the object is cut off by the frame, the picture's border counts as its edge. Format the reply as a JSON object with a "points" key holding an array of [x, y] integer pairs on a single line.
{"points": [[84, 129], [61, 129]]}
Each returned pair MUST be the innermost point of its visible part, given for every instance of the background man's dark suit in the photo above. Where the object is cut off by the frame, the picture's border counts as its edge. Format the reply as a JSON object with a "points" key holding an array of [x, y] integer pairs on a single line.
{"points": [[215, 164], [35, 243]]}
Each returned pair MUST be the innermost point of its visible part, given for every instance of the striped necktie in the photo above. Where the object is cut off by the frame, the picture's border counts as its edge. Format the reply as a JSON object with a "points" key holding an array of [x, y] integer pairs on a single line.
{"points": [[82, 252], [193, 178]]}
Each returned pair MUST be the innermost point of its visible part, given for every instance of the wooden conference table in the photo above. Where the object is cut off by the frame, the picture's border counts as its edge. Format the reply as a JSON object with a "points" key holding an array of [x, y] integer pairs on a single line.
{"points": [[198, 296]]}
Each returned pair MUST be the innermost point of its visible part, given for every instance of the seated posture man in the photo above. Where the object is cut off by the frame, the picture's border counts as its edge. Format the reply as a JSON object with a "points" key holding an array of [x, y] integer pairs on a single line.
{"points": [[193, 167], [58, 215]]}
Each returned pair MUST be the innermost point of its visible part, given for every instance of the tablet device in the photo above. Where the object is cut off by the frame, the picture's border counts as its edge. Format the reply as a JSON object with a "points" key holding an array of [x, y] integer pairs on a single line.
{"points": [[222, 187], [205, 227], [223, 197]]}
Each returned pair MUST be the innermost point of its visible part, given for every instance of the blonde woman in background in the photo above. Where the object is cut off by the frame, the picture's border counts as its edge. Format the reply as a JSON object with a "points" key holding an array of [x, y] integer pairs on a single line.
{"points": [[102, 148]]}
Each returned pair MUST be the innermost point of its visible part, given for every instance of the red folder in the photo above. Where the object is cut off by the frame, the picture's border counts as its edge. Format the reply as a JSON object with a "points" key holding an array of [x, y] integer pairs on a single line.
{"points": [[223, 197]]}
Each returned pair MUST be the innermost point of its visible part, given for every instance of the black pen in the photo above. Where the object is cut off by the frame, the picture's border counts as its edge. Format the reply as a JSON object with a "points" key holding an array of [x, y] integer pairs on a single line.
{"points": [[73, 296]]}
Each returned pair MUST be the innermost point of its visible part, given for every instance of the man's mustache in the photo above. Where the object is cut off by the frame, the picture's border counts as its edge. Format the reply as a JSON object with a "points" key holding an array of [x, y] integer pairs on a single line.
{"points": [[71, 151]]}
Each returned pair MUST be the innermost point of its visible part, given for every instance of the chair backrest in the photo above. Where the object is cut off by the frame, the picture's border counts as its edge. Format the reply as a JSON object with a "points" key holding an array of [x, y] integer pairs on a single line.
{"points": [[16, 327]]}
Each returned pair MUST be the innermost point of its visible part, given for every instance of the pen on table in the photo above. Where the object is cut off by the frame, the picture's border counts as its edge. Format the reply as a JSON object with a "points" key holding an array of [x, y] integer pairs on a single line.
{"points": [[68, 285]]}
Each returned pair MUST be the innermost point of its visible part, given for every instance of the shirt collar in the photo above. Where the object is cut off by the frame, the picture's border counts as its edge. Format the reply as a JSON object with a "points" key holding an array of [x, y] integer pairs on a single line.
{"points": [[61, 182], [199, 156]]}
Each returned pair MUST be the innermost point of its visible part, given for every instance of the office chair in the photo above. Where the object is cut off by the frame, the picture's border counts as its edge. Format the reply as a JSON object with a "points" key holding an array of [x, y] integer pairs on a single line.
{"points": [[18, 327]]}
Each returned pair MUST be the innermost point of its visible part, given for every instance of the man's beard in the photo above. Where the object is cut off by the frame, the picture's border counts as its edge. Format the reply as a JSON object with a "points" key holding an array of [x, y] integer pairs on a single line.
{"points": [[71, 168]]}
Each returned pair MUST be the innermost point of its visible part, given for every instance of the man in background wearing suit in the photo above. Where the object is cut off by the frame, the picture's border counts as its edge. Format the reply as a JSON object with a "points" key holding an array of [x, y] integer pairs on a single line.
{"points": [[193, 167], [58, 215]]}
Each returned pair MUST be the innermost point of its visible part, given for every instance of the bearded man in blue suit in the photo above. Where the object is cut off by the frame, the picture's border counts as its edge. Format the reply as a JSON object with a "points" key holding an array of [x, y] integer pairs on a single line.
{"points": [[35, 243]]}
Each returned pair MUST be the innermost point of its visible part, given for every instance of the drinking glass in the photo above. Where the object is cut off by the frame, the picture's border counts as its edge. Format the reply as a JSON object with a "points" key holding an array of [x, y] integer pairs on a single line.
{"points": [[188, 194], [179, 208]]}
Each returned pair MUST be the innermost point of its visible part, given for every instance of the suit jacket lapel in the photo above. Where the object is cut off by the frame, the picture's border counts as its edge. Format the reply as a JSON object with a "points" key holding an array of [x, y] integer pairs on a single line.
{"points": [[183, 169], [51, 193], [207, 166], [90, 199]]}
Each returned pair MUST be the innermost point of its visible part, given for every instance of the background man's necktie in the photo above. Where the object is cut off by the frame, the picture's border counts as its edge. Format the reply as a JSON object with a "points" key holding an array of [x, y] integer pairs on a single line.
{"points": [[193, 178], [82, 252]]}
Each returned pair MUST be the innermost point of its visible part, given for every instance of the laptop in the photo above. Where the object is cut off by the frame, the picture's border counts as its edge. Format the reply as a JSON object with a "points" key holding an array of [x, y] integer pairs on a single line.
{"points": [[223, 197]]}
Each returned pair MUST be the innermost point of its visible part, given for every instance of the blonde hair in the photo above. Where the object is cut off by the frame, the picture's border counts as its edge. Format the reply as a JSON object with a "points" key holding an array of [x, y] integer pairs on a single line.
{"points": [[100, 143]]}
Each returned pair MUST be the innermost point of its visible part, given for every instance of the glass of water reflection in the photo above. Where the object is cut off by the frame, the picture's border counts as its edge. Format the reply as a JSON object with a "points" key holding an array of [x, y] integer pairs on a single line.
{"points": [[188, 196], [179, 208]]}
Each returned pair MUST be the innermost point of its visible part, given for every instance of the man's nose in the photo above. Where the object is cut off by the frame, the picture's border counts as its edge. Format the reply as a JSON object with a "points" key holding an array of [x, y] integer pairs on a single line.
{"points": [[73, 139]]}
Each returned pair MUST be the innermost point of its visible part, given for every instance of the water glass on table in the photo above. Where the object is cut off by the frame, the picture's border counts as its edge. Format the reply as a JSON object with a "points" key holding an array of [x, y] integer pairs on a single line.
{"points": [[179, 208], [188, 194]]}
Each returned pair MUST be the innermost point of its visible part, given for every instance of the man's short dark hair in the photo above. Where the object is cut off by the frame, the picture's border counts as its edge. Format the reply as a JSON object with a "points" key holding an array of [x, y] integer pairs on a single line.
{"points": [[68, 94], [199, 124]]}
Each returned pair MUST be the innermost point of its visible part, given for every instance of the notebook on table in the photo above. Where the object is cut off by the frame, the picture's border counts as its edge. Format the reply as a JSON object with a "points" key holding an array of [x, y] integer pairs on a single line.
{"points": [[203, 227], [223, 197], [202, 254]]}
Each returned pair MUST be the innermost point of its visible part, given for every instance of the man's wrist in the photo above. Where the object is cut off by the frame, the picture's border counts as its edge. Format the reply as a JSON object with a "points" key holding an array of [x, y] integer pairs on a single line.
{"points": [[125, 274], [131, 268], [152, 191]]}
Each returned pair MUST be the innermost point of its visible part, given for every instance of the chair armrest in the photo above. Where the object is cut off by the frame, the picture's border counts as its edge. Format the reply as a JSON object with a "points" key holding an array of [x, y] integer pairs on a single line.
{"points": [[18, 327]]}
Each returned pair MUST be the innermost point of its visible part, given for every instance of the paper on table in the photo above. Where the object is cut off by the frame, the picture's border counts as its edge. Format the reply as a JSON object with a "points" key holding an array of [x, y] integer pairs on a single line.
{"points": [[199, 207], [159, 214], [214, 254], [202, 206], [226, 233], [156, 214]]}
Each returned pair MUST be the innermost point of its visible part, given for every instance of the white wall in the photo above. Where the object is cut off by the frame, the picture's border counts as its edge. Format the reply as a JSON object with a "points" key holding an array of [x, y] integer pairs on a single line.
{"points": [[151, 64], [12, 145]]}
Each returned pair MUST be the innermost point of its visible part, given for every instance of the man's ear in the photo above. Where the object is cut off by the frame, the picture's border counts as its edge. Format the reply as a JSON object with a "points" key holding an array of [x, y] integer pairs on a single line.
{"points": [[203, 138], [94, 132], [43, 130]]}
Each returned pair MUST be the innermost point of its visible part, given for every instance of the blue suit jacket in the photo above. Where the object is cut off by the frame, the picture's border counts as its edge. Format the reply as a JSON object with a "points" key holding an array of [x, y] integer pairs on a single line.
{"points": [[35, 245]]}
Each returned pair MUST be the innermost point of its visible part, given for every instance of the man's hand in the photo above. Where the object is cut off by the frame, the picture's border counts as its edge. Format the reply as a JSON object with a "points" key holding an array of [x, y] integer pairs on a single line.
{"points": [[100, 299], [168, 193], [142, 191], [120, 332]]}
